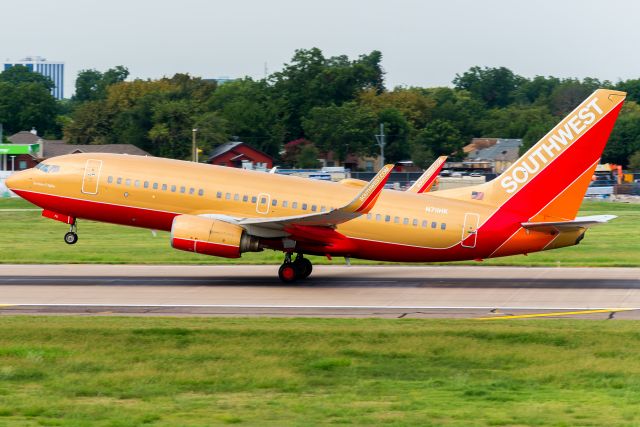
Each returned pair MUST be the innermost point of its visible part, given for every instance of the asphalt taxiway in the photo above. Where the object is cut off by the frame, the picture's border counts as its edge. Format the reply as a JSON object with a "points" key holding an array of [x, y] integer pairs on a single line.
{"points": [[332, 291]]}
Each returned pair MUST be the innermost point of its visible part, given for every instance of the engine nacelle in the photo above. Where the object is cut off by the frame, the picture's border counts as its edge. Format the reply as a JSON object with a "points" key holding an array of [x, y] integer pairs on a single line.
{"points": [[211, 237]]}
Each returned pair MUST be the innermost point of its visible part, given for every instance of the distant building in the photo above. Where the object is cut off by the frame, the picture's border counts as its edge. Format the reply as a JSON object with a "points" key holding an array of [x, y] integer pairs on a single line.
{"points": [[27, 149], [502, 153], [237, 154], [52, 69]]}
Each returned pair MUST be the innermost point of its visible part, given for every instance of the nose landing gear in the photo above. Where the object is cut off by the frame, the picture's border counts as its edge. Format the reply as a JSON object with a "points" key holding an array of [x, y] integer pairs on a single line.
{"points": [[299, 269], [72, 236]]}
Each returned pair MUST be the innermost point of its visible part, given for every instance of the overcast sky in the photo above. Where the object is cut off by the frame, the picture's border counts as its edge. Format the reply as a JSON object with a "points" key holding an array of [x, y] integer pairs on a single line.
{"points": [[424, 43]]}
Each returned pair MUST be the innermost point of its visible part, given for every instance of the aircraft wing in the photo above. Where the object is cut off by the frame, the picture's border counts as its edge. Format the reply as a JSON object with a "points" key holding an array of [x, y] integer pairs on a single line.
{"points": [[360, 205], [428, 178], [578, 223]]}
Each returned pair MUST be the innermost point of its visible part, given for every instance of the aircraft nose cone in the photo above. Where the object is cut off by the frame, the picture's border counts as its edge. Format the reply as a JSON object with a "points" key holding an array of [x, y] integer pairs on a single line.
{"points": [[16, 180]]}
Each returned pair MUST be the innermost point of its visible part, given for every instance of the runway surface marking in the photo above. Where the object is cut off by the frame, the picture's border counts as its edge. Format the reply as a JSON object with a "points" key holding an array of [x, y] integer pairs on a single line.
{"points": [[581, 310], [561, 313]]}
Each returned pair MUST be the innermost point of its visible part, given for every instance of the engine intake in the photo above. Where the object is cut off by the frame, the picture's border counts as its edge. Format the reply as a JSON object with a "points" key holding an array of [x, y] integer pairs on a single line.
{"points": [[211, 237]]}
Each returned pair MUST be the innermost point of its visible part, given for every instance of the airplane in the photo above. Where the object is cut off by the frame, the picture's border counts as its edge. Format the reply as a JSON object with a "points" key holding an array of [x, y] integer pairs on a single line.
{"points": [[225, 212], [429, 177]]}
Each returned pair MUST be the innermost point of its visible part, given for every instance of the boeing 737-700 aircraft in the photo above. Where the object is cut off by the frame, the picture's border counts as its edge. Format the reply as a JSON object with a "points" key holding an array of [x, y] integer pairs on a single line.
{"points": [[224, 212]]}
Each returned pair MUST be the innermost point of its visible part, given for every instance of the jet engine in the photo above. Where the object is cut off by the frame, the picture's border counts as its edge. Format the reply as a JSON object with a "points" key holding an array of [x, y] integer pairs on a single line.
{"points": [[211, 237]]}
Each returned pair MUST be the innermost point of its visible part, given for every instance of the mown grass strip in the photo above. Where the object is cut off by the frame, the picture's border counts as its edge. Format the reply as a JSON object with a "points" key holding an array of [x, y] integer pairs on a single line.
{"points": [[114, 371]]}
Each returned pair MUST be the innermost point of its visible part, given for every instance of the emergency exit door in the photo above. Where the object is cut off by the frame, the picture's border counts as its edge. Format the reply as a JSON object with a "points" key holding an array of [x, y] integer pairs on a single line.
{"points": [[91, 176], [470, 230]]}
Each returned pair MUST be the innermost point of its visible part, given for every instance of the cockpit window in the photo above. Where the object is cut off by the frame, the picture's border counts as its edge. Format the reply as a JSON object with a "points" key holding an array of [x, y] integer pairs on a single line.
{"points": [[48, 168]]}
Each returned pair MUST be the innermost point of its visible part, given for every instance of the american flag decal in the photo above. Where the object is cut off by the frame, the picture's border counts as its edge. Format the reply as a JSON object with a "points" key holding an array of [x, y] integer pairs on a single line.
{"points": [[477, 195]]}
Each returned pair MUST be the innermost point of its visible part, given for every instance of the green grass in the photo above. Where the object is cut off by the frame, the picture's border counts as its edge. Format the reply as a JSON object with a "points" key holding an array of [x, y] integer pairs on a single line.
{"points": [[110, 371], [33, 239]]}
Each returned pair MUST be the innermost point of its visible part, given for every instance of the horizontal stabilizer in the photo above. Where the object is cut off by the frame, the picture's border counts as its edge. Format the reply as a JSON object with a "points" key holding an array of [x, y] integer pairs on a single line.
{"points": [[576, 224]]}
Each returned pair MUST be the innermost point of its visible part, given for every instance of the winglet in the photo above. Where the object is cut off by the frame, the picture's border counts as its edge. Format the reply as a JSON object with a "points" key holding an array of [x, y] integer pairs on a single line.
{"points": [[428, 178], [364, 202]]}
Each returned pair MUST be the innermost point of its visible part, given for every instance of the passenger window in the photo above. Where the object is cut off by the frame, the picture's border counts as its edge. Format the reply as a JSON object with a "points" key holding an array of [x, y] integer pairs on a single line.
{"points": [[155, 185], [387, 218], [227, 196], [425, 223], [443, 226], [323, 209], [219, 194], [173, 188], [396, 220], [295, 205], [127, 182], [137, 183], [119, 181], [110, 179], [146, 184], [192, 191], [274, 202], [369, 216], [378, 217], [434, 224], [314, 208], [236, 197], [285, 203], [415, 222], [183, 189], [201, 192], [405, 221], [263, 200], [164, 187], [304, 206], [245, 198], [254, 199]]}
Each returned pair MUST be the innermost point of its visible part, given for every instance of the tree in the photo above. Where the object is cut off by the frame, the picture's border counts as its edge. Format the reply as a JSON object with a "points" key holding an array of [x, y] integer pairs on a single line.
{"points": [[397, 131], [625, 137], [310, 80], [19, 74], [345, 129], [439, 137], [92, 85], [27, 105], [634, 161], [308, 157], [496, 87]]}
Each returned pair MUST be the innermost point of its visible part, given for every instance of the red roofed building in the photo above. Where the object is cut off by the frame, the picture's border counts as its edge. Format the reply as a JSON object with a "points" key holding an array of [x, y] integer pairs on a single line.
{"points": [[237, 154]]}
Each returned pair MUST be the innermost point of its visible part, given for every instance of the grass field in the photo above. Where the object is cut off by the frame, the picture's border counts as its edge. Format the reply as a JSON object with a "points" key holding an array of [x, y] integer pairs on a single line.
{"points": [[106, 371], [33, 239]]}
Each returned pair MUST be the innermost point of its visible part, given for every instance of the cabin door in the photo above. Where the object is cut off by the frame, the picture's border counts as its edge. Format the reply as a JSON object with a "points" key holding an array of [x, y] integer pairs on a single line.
{"points": [[91, 176], [470, 230], [263, 203]]}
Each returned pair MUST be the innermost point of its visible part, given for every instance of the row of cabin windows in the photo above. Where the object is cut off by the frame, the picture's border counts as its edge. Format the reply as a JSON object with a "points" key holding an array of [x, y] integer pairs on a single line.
{"points": [[314, 208], [406, 221], [164, 187], [274, 202]]}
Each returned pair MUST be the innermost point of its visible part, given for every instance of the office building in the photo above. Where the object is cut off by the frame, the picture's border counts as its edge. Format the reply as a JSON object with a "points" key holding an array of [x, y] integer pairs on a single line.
{"points": [[52, 69]]}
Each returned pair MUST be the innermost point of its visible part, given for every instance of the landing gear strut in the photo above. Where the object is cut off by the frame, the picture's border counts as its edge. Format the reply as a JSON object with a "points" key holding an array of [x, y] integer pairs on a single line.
{"points": [[299, 269], [72, 236]]}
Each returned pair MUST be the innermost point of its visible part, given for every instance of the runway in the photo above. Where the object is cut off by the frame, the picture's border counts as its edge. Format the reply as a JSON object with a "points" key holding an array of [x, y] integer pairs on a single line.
{"points": [[332, 291]]}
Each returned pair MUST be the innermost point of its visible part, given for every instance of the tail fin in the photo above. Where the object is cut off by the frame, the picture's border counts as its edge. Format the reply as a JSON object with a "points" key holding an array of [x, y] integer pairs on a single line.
{"points": [[551, 179]]}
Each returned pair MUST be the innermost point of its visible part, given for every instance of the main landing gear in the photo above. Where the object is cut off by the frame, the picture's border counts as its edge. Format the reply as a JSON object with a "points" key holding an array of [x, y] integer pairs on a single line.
{"points": [[298, 269], [72, 236]]}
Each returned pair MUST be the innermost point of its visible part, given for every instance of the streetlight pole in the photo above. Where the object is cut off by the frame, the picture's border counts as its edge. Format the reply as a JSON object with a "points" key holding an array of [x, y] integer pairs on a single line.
{"points": [[194, 147], [381, 143], [13, 163]]}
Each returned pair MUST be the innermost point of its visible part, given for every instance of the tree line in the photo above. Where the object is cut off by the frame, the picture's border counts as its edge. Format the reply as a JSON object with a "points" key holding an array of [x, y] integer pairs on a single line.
{"points": [[315, 104]]}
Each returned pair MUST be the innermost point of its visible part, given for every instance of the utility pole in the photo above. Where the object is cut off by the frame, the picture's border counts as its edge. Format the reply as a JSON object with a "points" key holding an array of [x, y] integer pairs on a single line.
{"points": [[194, 147], [381, 143]]}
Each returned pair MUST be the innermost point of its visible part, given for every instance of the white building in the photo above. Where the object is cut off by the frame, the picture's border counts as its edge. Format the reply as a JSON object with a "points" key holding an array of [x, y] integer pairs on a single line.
{"points": [[52, 69]]}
